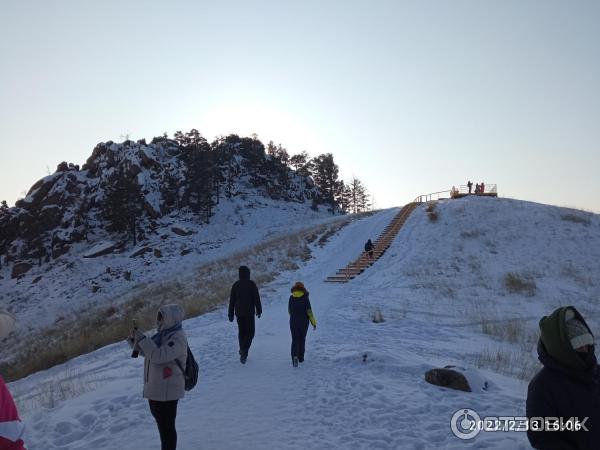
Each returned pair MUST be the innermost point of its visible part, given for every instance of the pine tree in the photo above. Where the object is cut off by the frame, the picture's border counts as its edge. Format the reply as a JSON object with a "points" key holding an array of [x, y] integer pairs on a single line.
{"points": [[302, 164], [344, 196], [124, 203], [326, 178], [203, 175], [359, 196]]}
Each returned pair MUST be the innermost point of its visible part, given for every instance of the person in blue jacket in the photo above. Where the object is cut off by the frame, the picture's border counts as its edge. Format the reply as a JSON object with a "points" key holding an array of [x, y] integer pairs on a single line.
{"points": [[300, 315]]}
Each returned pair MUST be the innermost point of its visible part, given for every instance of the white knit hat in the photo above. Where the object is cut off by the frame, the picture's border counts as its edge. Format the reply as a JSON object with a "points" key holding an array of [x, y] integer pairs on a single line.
{"points": [[7, 323], [578, 334]]}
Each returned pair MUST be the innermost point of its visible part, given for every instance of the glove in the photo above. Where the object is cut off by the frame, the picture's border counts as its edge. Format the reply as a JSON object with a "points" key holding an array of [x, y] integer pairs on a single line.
{"points": [[314, 327], [258, 315], [231, 318]]}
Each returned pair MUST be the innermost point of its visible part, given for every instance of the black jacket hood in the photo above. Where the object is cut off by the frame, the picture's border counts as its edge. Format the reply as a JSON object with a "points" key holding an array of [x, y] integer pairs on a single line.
{"points": [[244, 273]]}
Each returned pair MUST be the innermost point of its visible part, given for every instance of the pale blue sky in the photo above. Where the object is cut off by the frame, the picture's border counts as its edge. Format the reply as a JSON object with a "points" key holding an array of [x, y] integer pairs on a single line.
{"points": [[410, 96]]}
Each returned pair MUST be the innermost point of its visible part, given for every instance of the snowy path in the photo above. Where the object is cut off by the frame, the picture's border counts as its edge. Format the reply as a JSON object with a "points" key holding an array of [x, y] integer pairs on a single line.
{"points": [[334, 400]]}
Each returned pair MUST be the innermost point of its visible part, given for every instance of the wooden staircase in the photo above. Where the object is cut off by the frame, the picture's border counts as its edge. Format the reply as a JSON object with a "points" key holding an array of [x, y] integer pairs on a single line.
{"points": [[382, 243]]}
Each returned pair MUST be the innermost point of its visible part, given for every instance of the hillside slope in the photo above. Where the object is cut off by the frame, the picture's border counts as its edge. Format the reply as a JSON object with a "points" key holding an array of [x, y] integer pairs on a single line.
{"points": [[439, 288]]}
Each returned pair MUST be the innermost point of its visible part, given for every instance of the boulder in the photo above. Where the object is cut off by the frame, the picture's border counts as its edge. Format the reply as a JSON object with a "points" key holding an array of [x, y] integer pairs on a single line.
{"points": [[20, 269], [448, 378], [180, 230], [101, 249]]}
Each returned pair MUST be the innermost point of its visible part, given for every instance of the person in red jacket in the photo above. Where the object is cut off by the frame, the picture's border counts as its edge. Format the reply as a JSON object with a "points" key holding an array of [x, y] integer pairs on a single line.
{"points": [[11, 427]]}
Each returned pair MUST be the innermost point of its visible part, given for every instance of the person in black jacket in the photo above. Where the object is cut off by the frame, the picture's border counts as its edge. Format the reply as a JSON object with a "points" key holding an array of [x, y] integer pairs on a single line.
{"points": [[369, 247], [244, 301], [300, 314], [569, 383]]}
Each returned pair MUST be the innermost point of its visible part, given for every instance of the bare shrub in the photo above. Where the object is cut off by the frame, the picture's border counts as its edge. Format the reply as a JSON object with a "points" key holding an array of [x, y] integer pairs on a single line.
{"points": [[577, 217], [516, 283], [377, 316], [570, 271], [471, 234], [431, 212]]}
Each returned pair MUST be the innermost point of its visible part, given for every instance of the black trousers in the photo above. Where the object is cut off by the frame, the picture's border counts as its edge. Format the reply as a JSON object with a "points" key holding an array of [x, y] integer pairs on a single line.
{"points": [[164, 413], [246, 331], [298, 340]]}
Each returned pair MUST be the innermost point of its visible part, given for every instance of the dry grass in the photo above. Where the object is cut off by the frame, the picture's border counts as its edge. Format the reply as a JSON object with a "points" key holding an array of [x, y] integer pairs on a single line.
{"points": [[516, 283], [513, 362], [431, 212], [581, 217], [207, 290], [514, 353], [48, 394]]}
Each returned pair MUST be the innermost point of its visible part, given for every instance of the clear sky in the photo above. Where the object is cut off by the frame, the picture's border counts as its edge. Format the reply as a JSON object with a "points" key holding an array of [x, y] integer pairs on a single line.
{"points": [[412, 97]]}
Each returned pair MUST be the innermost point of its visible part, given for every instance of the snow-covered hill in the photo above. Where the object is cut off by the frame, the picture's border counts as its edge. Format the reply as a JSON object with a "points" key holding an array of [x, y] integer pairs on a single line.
{"points": [[466, 289]]}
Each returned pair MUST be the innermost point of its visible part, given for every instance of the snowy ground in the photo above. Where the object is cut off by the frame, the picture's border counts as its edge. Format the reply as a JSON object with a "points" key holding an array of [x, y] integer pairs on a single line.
{"points": [[435, 286]]}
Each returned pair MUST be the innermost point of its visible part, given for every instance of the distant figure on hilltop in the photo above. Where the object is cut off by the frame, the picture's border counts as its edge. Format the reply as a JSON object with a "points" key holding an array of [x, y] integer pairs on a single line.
{"points": [[481, 188], [300, 315], [244, 302], [569, 383], [11, 427], [477, 188], [470, 185]]}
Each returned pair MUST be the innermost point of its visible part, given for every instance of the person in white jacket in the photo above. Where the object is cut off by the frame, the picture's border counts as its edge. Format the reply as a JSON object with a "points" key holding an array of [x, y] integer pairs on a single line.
{"points": [[164, 365], [11, 427]]}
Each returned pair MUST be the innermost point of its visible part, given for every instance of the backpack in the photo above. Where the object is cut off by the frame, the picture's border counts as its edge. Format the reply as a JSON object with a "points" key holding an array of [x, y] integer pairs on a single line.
{"points": [[191, 370]]}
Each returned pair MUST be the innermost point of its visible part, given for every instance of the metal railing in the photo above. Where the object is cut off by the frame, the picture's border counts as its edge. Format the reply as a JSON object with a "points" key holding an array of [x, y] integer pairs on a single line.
{"points": [[433, 196], [487, 189]]}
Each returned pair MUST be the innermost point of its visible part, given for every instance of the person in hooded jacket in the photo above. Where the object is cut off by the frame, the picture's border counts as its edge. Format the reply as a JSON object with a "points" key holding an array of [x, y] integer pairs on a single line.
{"points": [[165, 356], [300, 315], [244, 302], [569, 383], [369, 247], [11, 427]]}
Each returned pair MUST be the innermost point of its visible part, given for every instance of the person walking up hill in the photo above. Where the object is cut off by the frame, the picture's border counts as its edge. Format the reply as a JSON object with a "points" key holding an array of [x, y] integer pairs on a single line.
{"points": [[244, 302], [300, 315]]}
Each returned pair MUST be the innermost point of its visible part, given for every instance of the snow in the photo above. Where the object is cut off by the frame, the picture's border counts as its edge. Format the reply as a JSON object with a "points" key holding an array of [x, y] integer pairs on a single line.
{"points": [[98, 248], [362, 385]]}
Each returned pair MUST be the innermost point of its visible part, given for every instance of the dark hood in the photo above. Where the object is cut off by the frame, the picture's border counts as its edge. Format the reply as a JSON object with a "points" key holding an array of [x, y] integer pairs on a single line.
{"points": [[555, 344], [244, 273]]}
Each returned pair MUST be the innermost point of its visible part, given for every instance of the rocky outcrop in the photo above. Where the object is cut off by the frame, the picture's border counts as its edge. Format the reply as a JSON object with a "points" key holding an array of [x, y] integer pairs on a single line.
{"points": [[147, 181], [20, 269]]}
